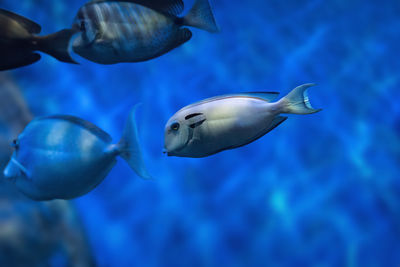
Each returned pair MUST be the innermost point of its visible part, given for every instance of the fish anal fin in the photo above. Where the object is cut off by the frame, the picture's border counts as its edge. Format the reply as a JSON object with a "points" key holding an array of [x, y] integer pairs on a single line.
{"points": [[182, 37], [172, 7], [177, 40], [275, 123], [14, 59], [29, 25]]}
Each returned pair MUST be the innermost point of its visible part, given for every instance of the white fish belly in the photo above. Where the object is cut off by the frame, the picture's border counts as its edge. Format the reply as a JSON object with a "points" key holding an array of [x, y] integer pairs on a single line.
{"points": [[235, 121]]}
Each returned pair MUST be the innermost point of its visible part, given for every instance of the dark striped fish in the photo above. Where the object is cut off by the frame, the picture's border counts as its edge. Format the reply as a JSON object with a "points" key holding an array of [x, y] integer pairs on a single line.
{"points": [[131, 31]]}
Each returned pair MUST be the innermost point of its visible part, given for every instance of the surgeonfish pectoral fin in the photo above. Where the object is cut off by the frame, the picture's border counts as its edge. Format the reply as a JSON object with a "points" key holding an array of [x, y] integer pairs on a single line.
{"points": [[129, 147], [297, 102], [201, 16], [57, 45]]}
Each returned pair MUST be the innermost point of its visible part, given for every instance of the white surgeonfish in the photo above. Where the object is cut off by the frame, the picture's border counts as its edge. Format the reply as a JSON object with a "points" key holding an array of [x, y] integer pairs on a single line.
{"points": [[230, 121]]}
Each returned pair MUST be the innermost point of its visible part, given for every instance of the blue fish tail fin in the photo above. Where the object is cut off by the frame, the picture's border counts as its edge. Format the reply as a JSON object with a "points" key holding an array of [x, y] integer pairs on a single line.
{"points": [[129, 148], [201, 16], [297, 102]]}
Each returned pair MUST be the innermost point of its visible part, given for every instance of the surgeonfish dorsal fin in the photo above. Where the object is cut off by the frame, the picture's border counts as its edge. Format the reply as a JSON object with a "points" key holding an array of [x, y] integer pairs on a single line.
{"points": [[29, 25], [82, 123], [172, 7], [266, 96]]}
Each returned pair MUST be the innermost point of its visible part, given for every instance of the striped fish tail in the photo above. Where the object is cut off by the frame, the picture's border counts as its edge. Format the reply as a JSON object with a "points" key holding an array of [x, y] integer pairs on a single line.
{"points": [[201, 16]]}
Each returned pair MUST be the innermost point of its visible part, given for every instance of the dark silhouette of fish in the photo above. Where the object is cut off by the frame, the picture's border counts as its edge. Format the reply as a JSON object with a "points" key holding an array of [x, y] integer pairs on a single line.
{"points": [[137, 30], [19, 42]]}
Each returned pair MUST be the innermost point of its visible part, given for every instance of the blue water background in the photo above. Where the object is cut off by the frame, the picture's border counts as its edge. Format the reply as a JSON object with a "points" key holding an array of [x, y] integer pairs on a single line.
{"points": [[320, 190]]}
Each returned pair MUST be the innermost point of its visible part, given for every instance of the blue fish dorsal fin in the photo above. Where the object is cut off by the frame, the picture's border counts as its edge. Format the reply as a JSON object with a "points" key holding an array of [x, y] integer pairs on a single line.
{"points": [[173, 7], [82, 123], [266, 96]]}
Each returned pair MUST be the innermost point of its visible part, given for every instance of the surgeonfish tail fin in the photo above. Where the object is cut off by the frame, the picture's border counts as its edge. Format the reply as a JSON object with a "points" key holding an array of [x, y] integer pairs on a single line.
{"points": [[129, 148], [297, 102], [201, 16], [57, 45], [17, 27]]}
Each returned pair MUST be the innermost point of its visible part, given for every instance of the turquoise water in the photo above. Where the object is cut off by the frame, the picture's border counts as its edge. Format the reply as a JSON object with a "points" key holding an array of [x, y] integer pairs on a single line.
{"points": [[319, 190]]}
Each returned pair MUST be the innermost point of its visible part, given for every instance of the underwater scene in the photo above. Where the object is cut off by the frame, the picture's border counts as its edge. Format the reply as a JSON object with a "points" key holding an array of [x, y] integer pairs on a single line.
{"points": [[203, 133]]}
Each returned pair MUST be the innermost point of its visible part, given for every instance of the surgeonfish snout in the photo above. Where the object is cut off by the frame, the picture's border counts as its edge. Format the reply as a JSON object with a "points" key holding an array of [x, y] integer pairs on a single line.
{"points": [[12, 170]]}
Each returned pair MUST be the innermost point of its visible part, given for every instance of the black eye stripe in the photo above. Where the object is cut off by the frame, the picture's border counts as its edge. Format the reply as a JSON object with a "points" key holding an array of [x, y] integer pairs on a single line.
{"points": [[192, 115]]}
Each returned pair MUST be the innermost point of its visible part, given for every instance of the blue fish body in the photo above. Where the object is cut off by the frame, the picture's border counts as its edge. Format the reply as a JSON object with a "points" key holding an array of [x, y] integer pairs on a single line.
{"points": [[127, 31], [63, 157]]}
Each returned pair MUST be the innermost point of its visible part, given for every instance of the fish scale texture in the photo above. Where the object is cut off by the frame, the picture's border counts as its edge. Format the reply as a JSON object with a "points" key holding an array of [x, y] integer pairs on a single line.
{"points": [[319, 190]]}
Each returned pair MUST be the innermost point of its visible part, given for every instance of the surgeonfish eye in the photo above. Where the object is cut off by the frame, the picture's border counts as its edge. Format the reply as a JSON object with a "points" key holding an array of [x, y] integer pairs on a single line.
{"points": [[175, 126], [83, 26], [15, 143]]}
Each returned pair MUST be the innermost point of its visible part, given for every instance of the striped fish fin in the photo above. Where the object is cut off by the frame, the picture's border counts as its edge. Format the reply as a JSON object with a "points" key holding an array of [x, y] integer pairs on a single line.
{"points": [[172, 7]]}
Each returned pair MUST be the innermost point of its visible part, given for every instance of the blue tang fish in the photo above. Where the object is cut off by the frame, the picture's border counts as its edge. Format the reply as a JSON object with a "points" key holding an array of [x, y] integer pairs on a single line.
{"points": [[114, 31], [63, 157], [230, 121]]}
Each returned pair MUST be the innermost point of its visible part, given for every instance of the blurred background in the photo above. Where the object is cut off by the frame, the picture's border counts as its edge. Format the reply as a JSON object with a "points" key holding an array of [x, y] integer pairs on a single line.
{"points": [[319, 190]]}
